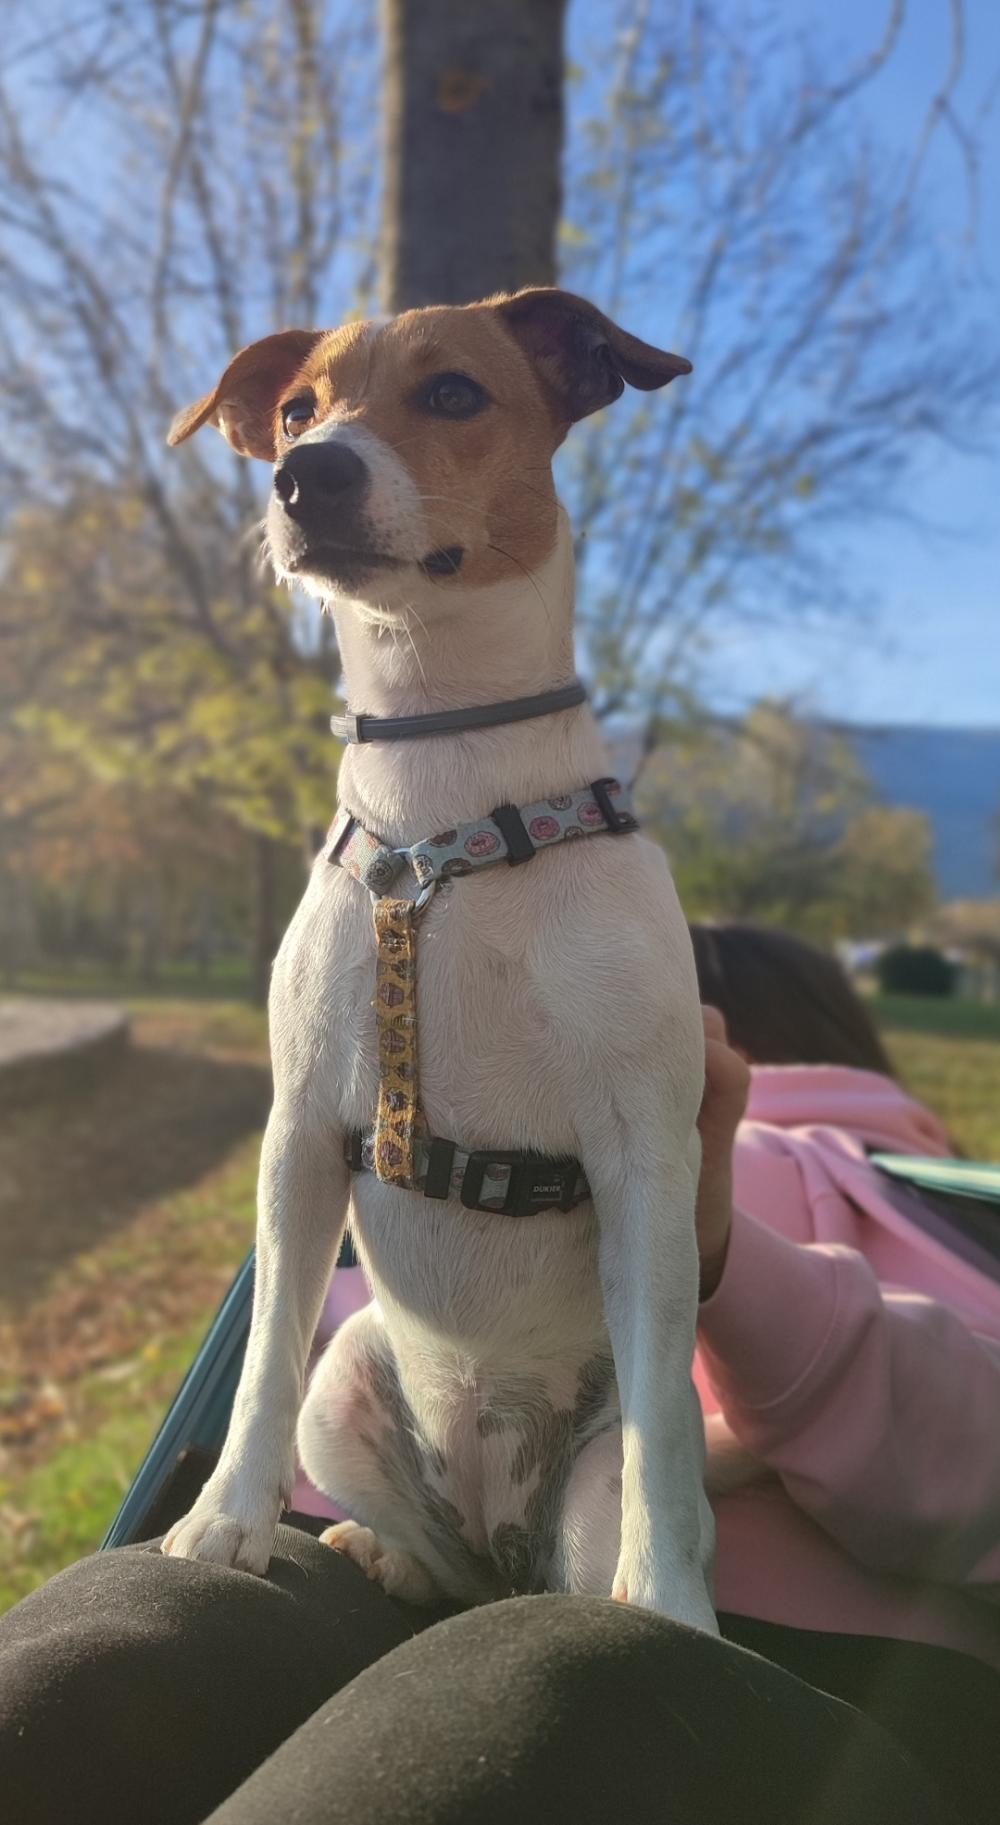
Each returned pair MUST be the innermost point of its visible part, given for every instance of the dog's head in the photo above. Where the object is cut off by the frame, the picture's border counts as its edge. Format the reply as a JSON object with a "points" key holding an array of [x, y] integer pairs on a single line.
{"points": [[411, 453]]}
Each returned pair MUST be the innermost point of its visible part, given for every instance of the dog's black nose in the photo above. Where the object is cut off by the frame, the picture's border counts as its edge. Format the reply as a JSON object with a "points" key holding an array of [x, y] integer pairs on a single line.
{"points": [[317, 475]]}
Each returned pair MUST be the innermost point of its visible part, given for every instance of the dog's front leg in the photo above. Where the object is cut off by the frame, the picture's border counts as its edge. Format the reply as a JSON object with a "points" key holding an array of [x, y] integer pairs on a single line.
{"points": [[302, 1210], [644, 1180]]}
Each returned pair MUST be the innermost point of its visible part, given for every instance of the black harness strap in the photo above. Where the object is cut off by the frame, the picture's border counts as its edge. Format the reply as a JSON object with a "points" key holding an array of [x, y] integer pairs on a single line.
{"points": [[439, 1164]]}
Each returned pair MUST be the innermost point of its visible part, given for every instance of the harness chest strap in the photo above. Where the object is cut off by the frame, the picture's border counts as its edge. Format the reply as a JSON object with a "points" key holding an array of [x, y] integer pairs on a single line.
{"points": [[511, 1183], [398, 1150], [508, 834], [398, 1119]]}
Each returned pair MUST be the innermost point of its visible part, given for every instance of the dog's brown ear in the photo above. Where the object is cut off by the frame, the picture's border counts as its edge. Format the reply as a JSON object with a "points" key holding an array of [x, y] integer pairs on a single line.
{"points": [[583, 358], [242, 405]]}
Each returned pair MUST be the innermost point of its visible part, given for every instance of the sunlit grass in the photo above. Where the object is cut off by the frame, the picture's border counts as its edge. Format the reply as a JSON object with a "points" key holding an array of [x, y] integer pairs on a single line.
{"points": [[136, 1303], [58, 1511], [948, 1053]]}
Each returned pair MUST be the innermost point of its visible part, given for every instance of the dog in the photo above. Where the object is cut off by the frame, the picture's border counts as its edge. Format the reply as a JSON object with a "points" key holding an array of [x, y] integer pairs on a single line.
{"points": [[514, 1411]]}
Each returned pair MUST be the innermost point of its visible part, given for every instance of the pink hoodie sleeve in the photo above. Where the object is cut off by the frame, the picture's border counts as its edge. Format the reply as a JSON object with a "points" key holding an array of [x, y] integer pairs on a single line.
{"points": [[879, 1410]]}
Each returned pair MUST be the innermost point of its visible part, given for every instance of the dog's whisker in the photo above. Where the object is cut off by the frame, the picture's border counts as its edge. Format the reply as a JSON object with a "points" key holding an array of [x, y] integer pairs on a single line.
{"points": [[418, 618], [413, 648], [532, 579]]}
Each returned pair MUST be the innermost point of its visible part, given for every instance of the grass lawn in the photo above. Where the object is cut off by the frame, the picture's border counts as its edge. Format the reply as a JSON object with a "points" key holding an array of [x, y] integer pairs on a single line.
{"points": [[58, 1509], [948, 1053], [117, 1244], [228, 980]]}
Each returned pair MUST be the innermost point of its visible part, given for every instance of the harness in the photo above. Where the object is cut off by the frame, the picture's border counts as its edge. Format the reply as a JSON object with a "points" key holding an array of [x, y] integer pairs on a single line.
{"points": [[398, 1148]]}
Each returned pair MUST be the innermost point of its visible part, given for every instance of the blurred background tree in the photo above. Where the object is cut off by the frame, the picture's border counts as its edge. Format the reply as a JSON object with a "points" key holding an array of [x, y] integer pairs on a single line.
{"points": [[180, 178], [973, 928], [771, 819]]}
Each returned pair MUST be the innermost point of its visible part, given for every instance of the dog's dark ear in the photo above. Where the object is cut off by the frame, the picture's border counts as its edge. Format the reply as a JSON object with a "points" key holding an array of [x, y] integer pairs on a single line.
{"points": [[243, 403], [583, 358]]}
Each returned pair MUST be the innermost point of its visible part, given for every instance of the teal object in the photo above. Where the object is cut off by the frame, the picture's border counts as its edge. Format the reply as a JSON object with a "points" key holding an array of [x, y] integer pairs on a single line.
{"points": [[979, 1179], [191, 1436], [195, 1426]]}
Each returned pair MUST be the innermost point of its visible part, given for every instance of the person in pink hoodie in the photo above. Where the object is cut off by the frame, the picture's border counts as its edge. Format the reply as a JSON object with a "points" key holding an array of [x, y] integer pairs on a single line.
{"points": [[855, 1356]]}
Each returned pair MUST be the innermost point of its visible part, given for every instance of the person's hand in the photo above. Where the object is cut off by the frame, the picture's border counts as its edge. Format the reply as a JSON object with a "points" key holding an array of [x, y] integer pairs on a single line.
{"points": [[727, 1086]]}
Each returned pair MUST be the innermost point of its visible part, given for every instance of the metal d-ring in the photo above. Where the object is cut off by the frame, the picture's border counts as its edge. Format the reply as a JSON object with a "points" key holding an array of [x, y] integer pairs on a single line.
{"points": [[425, 894]]}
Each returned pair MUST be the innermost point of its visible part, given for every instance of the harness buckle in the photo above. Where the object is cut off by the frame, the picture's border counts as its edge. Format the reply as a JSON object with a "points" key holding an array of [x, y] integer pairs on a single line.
{"points": [[618, 822], [532, 1183]]}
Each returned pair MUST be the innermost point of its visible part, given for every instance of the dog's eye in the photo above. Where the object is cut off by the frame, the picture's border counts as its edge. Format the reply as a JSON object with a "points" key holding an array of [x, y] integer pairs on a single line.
{"points": [[296, 414], [454, 396]]}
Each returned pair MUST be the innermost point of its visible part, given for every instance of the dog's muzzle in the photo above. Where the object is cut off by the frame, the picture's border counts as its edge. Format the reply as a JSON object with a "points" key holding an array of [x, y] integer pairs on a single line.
{"points": [[317, 519]]}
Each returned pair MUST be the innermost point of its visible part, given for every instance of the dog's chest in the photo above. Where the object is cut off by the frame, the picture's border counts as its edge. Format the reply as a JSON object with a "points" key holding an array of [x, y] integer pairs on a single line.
{"points": [[489, 1057]]}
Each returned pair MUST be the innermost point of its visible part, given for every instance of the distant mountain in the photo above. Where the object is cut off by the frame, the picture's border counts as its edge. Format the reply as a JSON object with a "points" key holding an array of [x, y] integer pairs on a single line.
{"points": [[953, 775]]}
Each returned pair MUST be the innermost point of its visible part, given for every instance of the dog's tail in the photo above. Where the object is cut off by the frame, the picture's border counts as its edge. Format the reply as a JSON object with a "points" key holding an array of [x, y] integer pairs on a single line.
{"points": [[729, 1466]]}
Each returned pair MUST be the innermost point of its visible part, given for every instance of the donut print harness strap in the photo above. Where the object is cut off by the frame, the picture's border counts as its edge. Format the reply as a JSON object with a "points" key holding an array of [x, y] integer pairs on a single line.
{"points": [[398, 1149], [398, 1120]]}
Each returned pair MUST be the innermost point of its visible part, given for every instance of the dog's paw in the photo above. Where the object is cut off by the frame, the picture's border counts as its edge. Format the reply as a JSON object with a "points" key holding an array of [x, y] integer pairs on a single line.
{"points": [[221, 1535], [399, 1573], [683, 1600]]}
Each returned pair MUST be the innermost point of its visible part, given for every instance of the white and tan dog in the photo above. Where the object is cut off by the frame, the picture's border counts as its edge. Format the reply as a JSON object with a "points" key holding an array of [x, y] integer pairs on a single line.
{"points": [[514, 1412]]}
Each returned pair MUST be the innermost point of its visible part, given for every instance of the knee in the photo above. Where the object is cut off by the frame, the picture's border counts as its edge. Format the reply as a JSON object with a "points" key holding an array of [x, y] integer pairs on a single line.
{"points": [[338, 1429]]}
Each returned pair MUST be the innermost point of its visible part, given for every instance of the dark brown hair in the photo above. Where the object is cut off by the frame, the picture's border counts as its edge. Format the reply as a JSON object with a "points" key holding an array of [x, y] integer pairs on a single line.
{"points": [[785, 1002]]}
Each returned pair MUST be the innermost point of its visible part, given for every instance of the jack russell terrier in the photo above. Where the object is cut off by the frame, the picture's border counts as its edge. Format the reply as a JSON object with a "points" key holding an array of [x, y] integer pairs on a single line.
{"points": [[514, 1411]]}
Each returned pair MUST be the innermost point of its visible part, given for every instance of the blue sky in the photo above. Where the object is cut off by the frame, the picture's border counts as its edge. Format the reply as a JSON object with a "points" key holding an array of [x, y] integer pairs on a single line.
{"points": [[928, 648]]}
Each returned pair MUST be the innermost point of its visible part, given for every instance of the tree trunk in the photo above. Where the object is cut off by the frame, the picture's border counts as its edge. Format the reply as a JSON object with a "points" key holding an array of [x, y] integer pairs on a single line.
{"points": [[265, 937], [150, 931], [473, 141], [18, 942]]}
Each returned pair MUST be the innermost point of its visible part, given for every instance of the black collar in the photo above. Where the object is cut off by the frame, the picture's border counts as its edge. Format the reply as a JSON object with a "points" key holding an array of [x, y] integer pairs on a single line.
{"points": [[443, 722]]}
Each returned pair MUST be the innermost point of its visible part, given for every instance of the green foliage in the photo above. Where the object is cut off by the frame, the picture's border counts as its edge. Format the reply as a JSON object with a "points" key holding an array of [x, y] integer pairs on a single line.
{"points": [[773, 820], [161, 743], [209, 701], [886, 874], [915, 969]]}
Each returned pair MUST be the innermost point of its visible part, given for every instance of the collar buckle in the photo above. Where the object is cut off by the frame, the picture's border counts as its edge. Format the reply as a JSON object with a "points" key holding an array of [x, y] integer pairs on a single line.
{"points": [[347, 727]]}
